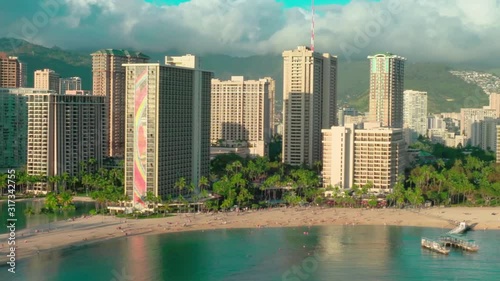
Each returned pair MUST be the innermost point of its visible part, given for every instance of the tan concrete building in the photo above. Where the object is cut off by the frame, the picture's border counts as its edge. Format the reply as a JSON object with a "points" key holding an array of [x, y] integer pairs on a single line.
{"points": [[386, 89], [63, 131], [309, 103], [109, 80], [69, 84], [358, 156], [12, 72], [78, 92], [495, 102], [47, 79], [356, 120], [240, 113], [167, 128], [414, 115], [188, 61], [14, 127], [470, 115]]}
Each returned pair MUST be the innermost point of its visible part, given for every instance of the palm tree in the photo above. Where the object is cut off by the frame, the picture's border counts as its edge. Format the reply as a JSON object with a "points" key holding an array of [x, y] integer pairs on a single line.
{"points": [[65, 178], [203, 183], [191, 188], [180, 184], [243, 197], [22, 180], [52, 180], [152, 199]]}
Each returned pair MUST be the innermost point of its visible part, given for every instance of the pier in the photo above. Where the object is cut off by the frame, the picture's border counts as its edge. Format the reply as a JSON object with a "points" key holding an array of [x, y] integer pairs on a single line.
{"points": [[458, 242], [435, 246]]}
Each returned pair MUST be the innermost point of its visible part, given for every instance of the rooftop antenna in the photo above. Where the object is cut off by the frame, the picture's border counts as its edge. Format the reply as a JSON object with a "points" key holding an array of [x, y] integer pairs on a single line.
{"points": [[312, 26]]}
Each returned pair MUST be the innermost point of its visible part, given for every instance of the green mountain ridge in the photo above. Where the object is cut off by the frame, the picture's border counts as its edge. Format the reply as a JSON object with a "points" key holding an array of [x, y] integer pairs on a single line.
{"points": [[446, 93]]}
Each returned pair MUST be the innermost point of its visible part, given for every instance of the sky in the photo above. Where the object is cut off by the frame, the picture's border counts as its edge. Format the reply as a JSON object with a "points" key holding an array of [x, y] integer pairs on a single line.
{"points": [[286, 3], [420, 30]]}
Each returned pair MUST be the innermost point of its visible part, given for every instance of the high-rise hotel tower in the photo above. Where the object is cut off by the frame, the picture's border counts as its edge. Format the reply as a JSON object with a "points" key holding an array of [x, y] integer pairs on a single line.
{"points": [[108, 74], [386, 90], [167, 126], [309, 103]]}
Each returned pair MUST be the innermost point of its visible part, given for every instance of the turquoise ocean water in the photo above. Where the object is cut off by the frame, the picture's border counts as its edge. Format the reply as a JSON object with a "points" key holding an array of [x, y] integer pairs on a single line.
{"points": [[326, 253]]}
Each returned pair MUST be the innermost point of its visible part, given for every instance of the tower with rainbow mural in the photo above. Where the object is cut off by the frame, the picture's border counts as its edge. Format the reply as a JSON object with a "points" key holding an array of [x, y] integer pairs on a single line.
{"points": [[167, 127]]}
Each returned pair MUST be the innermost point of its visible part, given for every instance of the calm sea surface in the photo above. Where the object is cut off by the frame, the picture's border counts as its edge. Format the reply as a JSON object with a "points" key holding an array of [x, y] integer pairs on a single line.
{"points": [[24, 221], [327, 253]]}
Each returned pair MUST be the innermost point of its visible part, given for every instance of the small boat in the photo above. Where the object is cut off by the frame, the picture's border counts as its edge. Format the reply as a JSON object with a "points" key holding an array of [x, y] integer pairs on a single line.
{"points": [[435, 246]]}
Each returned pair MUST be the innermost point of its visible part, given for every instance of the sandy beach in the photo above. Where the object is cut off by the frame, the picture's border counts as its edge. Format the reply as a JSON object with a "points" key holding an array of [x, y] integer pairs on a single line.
{"points": [[33, 241]]}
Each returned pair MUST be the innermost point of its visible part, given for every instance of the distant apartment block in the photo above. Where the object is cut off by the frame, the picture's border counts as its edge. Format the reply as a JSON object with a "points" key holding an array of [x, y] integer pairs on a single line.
{"points": [[446, 138], [12, 72], [63, 131], [435, 122], [356, 120], [414, 115], [108, 75], [498, 144], [484, 134], [386, 89], [167, 128], [47, 79], [69, 84], [309, 103], [342, 113], [13, 127], [495, 103], [78, 92], [471, 115], [359, 156], [240, 113]]}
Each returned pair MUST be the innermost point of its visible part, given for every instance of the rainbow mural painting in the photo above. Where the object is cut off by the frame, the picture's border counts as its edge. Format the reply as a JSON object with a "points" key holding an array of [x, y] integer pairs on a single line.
{"points": [[140, 136]]}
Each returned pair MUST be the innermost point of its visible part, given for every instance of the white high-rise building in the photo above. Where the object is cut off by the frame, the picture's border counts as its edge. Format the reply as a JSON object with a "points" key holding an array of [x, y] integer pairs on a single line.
{"points": [[309, 103], [240, 113], [167, 128], [414, 115], [338, 154], [63, 131]]}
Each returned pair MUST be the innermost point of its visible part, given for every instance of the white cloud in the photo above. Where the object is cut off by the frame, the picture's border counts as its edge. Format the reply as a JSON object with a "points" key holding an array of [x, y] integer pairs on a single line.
{"points": [[457, 30]]}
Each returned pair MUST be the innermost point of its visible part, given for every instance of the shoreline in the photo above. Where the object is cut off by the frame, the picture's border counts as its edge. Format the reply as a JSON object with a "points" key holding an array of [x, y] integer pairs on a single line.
{"points": [[83, 231], [75, 199]]}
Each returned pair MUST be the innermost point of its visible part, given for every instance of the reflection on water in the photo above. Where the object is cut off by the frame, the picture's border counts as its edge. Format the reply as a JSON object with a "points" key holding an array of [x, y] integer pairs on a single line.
{"points": [[326, 253], [24, 221]]}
